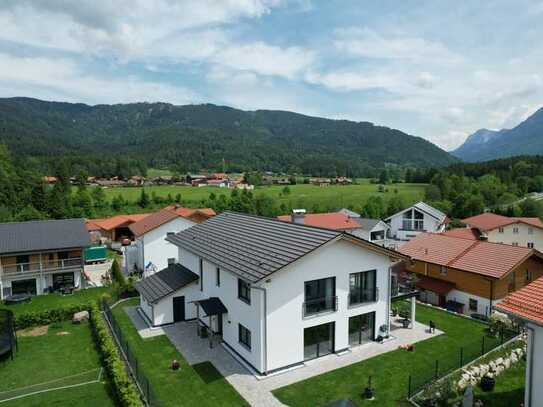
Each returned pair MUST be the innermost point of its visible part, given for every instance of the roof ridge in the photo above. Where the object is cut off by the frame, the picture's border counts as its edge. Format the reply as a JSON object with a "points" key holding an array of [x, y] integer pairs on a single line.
{"points": [[463, 252]]}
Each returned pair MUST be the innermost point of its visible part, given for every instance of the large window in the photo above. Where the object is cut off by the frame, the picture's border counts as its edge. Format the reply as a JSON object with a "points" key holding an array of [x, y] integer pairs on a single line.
{"points": [[244, 291], [244, 336], [362, 287], [413, 220], [320, 296], [377, 235], [319, 341], [473, 305], [361, 329]]}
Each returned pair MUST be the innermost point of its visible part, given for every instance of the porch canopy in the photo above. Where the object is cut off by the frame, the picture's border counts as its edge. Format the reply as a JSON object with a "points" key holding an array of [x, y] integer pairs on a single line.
{"points": [[212, 306]]}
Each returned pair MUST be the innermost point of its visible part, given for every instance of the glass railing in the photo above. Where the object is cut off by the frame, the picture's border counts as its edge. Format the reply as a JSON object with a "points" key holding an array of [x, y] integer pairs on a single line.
{"points": [[319, 305]]}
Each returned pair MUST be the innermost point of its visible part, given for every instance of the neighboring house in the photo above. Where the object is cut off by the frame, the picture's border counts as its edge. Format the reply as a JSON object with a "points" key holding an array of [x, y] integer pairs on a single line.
{"points": [[527, 305], [526, 232], [115, 228], [419, 218], [153, 251], [41, 256], [374, 230], [277, 293], [196, 179], [467, 275]]}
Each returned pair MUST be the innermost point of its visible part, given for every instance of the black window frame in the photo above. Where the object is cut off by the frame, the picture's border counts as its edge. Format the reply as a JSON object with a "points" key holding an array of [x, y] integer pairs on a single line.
{"points": [[471, 302], [218, 276], [356, 299], [244, 291], [244, 336], [201, 265]]}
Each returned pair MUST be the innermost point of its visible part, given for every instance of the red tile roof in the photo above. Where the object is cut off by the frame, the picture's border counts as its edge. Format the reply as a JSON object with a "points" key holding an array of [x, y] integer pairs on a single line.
{"points": [[474, 256], [526, 303], [167, 214], [490, 221], [463, 233], [114, 221], [333, 220]]}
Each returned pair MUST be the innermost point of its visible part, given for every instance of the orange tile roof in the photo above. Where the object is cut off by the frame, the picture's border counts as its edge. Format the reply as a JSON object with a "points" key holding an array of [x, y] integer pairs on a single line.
{"points": [[490, 221], [333, 220], [526, 303], [114, 221], [167, 214], [464, 233], [474, 256]]}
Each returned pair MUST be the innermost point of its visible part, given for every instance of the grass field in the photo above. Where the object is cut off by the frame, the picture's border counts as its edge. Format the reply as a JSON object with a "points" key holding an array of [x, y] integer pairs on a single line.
{"points": [[301, 195], [509, 390], [390, 371], [199, 385], [48, 354], [51, 301]]}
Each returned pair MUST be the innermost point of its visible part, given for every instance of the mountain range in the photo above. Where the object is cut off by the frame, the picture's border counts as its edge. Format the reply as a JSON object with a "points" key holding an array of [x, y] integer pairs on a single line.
{"points": [[195, 137], [524, 139]]}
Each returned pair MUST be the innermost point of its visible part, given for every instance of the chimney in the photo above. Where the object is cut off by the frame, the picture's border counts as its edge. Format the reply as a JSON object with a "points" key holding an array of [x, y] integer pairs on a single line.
{"points": [[298, 216]]}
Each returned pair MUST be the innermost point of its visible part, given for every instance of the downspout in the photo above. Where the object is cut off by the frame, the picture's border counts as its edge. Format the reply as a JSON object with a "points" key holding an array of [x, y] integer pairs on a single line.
{"points": [[491, 296], [389, 299], [531, 362], [265, 334]]}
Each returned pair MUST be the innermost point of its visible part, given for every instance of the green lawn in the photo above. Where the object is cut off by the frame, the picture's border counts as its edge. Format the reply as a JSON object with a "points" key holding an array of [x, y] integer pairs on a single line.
{"points": [[301, 195], [390, 371], [509, 390], [64, 350], [198, 385], [51, 301]]}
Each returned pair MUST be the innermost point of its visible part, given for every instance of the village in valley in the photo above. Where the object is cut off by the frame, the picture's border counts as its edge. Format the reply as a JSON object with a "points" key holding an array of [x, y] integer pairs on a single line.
{"points": [[271, 203]]}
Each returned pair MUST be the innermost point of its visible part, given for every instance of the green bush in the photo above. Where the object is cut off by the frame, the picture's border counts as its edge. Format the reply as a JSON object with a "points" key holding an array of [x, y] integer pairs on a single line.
{"points": [[36, 318], [125, 389]]}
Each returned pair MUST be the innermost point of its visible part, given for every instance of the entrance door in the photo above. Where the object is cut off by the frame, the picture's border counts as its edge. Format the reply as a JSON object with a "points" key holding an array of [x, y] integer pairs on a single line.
{"points": [[361, 329], [319, 341], [178, 309], [61, 280], [24, 286]]}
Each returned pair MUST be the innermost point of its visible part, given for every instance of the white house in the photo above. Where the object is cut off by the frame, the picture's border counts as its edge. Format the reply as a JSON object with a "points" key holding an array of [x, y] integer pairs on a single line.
{"points": [[153, 251], [39, 257], [526, 304], [525, 232], [414, 220], [277, 293]]}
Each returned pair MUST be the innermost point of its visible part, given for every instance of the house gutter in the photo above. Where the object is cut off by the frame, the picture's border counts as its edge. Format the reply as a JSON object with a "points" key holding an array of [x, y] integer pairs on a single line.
{"points": [[265, 333]]}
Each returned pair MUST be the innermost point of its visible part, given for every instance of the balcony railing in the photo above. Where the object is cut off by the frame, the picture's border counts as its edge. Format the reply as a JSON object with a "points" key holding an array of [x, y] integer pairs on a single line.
{"points": [[363, 296], [319, 305], [41, 267]]}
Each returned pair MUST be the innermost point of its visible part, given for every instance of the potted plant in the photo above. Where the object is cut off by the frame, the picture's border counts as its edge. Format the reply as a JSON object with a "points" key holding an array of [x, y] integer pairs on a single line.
{"points": [[488, 383]]}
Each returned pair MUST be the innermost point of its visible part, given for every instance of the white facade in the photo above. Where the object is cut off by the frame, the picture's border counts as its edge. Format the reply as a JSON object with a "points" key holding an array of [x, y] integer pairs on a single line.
{"points": [[153, 248], [518, 234], [419, 218], [42, 282], [534, 366], [275, 316], [377, 234]]}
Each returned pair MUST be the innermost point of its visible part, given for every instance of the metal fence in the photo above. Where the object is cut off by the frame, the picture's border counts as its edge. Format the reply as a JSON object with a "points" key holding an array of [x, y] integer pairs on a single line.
{"points": [[464, 355], [134, 365]]}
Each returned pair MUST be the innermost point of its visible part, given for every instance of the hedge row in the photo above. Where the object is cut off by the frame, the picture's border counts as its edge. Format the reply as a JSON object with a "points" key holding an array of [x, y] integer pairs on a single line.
{"points": [[35, 318], [125, 389]]}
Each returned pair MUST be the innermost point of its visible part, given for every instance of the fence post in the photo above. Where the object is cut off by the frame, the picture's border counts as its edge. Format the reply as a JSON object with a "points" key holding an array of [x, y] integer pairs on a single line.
{"points": [[483, 346], [461, 357], [437, 368], [409, 388]]}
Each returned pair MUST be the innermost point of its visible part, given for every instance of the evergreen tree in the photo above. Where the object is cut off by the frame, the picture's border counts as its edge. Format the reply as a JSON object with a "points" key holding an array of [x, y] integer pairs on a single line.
{"points": [[143, 200]]}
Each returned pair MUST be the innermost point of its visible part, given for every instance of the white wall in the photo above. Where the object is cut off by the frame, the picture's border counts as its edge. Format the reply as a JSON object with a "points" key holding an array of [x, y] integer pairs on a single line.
{"points": [[286, 296], [522, 238], [44, 282], [483, 304], [535, 367], [430, 224], [152, 246]]}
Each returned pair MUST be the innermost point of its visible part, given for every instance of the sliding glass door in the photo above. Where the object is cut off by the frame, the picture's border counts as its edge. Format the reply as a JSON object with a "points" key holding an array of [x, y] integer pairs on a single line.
{"points": [[361, 329], [319, 341]]}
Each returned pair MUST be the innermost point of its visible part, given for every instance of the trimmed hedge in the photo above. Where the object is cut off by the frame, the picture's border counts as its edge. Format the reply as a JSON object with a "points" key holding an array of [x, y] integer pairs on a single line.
{"points": [[126, 391], [30, 319]]}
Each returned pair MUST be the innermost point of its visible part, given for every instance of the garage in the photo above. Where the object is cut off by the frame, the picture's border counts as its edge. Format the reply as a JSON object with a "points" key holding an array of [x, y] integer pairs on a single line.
{"points": [[160, 300]]}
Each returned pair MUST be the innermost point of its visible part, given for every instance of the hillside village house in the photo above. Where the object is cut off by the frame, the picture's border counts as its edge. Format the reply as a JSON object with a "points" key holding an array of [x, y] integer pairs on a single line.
{"points": [[115, 228], [374, 230], [153, 251], [39, 257], [526, 232], [277, 293], [419, 218], [467, 275], [527, 305]]}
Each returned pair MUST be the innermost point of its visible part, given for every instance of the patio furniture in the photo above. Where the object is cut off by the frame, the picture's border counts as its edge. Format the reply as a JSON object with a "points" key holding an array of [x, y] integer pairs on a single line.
{"points": [[405, 322]]}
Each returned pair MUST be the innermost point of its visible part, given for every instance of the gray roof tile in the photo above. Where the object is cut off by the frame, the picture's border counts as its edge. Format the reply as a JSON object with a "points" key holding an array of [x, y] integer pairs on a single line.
{"points": [[20, 237], [165, 282]]}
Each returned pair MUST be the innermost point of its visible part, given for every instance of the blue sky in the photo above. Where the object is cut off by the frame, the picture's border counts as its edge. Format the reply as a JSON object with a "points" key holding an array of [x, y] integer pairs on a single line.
{"points": [[435, 69]]}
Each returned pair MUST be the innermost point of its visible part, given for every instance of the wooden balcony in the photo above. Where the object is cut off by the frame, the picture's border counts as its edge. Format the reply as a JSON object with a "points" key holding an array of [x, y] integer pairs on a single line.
{"points": [[37, 268]]}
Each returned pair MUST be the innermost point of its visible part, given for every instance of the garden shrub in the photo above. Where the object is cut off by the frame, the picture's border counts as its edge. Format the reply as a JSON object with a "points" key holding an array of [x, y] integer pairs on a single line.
{"points": [[55, 315], [125, 388]]}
